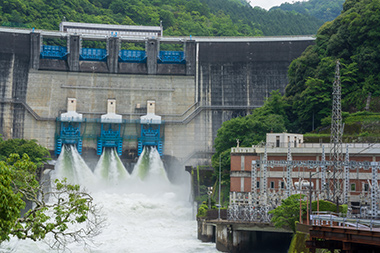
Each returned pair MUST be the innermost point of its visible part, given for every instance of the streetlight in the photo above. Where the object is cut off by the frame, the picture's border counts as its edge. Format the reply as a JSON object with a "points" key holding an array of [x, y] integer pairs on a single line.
{"points": [[220, 178], [310, 204], [209, 192]]}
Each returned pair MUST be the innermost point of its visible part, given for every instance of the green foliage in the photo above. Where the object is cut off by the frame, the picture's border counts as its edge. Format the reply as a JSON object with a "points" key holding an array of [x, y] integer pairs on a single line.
{"points": [[327, 206], [10, 202], [179, 17], [67, 205], [320, 9], [202, 211], [288, 212], [275, 22], [35, 152], [298, 243], [353, 38], [71, 206]]}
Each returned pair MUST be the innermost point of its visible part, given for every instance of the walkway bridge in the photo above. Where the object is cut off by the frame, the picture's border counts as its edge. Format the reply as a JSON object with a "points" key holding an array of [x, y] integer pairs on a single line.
{"points": [[329, 231]]}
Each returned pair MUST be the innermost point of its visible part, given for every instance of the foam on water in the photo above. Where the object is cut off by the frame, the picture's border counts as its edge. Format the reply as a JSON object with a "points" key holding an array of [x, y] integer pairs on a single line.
{"points": [[144, 214]]}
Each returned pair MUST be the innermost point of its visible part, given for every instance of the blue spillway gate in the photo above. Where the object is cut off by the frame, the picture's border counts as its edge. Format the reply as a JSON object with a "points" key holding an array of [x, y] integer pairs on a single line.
{"points": [[69, 134], [53, 52], [137, 56], [93, 54], [173, 57], [110, 136], [150, 136]]}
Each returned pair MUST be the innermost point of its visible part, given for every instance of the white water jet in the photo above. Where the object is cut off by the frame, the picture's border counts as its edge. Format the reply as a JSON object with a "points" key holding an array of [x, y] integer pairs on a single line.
{"points": [[110, 169], [143, 215], [71, 165]]}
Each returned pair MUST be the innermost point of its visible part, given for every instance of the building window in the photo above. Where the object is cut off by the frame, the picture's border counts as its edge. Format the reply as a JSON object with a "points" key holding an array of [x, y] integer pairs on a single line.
{"points": [[353, 187], [282, 184], [366, 187], [272, 185], [258, 184], [277, 141], [295, 141]]}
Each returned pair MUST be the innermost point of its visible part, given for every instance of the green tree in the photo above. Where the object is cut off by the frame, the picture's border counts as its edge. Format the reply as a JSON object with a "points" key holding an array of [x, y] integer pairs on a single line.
{"points": [[320, 9], [353, 38], [36, 152], [10, 202], [54, 211], [286, 214], [180, 17]]}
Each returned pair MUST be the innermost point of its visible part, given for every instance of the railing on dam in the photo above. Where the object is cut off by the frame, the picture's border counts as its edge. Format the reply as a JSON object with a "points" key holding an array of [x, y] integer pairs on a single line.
{"points": [[132, 56], [93, 54], [53, 52], [171, 57]]}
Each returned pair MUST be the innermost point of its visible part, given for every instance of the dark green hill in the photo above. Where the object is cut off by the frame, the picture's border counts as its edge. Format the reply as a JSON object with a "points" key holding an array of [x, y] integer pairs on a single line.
{"points": [[320, 9], [353, 38], [179, 17]]}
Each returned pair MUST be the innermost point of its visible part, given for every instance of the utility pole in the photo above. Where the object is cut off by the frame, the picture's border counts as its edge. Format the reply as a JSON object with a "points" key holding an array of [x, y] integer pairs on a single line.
{"points": [[336, 156]]}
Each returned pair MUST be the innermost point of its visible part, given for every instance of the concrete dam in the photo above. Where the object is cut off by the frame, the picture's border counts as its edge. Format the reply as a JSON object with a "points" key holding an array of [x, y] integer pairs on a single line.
{"points": [[193, 91]]}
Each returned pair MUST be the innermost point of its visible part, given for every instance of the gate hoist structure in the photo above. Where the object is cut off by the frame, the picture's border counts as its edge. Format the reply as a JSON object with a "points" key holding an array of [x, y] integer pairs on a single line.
{"points": [[150, 130], [70, 128], [110, 134]]}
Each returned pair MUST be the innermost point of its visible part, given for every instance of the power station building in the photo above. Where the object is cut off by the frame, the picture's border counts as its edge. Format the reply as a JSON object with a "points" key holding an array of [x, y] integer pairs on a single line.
{"points": [[286, 165]]}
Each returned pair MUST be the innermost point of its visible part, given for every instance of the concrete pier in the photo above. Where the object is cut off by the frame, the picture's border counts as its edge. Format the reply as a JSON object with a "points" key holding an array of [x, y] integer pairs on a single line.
{"points": [[236, 237]]}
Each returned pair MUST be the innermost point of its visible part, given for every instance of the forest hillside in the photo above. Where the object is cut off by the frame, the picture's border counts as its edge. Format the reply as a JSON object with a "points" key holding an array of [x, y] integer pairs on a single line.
{"points": [[179, 17], [320, 9]]}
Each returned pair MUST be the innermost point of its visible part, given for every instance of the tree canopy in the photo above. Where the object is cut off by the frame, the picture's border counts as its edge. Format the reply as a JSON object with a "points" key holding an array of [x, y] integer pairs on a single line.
{"points": [[353, 39], [320, 9], [36, 152], [286, 214], [179, 17]]}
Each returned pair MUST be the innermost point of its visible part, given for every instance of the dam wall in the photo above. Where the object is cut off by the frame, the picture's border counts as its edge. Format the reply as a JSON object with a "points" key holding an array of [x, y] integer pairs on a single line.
{"points": [[221, 78]]}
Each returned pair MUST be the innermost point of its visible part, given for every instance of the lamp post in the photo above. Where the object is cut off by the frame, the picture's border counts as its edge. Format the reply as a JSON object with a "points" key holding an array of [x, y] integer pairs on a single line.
{"points": [[310, 198], [220, 178], [209, 192], [310, 185]]}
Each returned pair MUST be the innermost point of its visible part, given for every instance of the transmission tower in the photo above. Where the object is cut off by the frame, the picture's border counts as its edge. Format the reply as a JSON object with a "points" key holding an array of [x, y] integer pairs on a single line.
{"points": [[336, 156]]}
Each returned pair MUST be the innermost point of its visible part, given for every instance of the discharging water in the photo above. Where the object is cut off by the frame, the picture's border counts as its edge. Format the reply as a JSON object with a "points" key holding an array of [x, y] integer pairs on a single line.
{"points": [[144, 211]]}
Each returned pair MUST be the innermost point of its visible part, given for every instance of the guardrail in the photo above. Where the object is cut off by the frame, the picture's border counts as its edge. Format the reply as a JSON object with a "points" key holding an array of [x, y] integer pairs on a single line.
{"points": [[333, 219]]}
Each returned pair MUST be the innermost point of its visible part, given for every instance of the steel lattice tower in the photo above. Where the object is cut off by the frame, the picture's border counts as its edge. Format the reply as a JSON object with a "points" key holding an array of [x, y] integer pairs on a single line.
{"points": [[336, 156]]}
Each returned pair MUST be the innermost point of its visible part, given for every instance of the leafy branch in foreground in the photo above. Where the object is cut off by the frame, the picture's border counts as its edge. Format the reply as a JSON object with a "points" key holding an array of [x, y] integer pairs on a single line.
{"points": [[66, 211], [62, 213]]}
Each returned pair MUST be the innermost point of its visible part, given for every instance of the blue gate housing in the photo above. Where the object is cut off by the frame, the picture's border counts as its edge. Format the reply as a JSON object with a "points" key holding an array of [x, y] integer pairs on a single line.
{"points": [[93, 54], [150, 133], [137, 56], [110, 136], [172, 57], [69, 133], [53, 52]]}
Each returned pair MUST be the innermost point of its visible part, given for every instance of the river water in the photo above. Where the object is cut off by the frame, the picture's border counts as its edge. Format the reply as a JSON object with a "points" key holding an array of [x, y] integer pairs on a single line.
{"points": [[144, 211]]}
